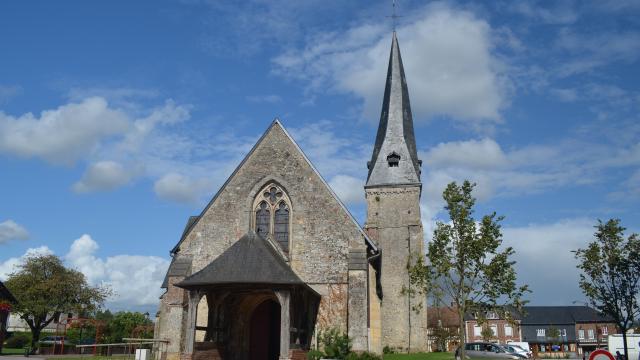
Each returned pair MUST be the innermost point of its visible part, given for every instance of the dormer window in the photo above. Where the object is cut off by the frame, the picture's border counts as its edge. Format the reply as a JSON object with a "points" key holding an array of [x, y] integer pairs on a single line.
{"points": [[393, 159]]}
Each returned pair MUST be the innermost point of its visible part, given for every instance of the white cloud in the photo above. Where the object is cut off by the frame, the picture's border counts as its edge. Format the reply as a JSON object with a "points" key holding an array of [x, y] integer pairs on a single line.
{"points": [[101, 176], [135, 279], [180, 188], [62, 135], [10, 265], [349, 189], [10, 230], [544, 258], [447, 58]]}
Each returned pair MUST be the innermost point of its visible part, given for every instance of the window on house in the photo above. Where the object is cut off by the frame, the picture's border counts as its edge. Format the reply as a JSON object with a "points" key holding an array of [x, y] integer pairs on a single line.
{"points": [[272, 209], [508, 330], [492, 315], [477, 330], [494, 330], [540, 332], [581, 334], [591, 334], [605, 330], [563, 332], [393, 159]]}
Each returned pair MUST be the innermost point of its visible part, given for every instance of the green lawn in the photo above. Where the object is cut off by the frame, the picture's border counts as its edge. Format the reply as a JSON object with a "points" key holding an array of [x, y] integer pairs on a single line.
{"points": [[91, 357], [420, 356], [10, 351]]}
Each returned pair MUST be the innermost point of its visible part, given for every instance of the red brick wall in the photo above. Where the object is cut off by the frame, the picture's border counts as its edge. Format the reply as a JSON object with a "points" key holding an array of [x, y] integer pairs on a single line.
{"points": [[499, 337]]}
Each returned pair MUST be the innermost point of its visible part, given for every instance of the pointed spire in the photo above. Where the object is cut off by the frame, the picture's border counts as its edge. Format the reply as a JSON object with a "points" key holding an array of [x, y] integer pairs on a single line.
{"points": [[395, 159]]}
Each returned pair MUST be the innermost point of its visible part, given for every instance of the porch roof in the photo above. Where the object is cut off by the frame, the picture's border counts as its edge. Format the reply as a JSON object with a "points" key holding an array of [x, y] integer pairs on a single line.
{"points": [[251, 260]]}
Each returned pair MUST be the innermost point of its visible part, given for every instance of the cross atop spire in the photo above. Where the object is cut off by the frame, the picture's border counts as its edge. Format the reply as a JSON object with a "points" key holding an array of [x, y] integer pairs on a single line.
{"points": [[395, 159], [394, 17]]}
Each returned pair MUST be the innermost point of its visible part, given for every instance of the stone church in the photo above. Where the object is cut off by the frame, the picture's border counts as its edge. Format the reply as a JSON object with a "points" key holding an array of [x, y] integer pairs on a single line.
{"points": [[276, 257]]}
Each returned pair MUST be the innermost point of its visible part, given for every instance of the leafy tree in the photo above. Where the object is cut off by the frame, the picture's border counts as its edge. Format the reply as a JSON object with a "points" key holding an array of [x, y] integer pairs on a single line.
{"points": [[467, 265], [610, 274], [122, 324], [554, 334], [487, 333], [442, 336], [45, 289]]}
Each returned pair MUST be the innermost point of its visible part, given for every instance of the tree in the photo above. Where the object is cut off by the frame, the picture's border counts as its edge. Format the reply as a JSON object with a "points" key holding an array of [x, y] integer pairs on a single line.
{"points": [[487, 333], [610, 274], [125, 323], [554, 334], [45, 289], [466, 264]]}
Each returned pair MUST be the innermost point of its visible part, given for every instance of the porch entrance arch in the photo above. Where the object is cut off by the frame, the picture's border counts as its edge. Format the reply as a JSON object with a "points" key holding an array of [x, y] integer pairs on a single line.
{"points": [[264, 333]]}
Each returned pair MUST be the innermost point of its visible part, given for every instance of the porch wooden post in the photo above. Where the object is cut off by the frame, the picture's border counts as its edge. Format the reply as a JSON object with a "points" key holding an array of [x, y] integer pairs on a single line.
{"points": [[284, 297], [190, 326]]}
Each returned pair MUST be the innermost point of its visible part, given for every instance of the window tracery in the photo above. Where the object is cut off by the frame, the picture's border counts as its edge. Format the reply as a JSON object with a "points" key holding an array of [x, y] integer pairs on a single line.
{"points": [[272, 215]]}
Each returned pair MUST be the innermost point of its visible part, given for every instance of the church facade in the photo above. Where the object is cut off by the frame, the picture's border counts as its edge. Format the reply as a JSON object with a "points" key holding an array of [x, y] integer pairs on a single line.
{"points": [[275, 257]]}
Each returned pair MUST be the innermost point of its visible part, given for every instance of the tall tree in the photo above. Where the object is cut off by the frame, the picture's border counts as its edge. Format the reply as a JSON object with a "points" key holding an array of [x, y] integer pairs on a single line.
{"points": [[610, 274], [45, 289], [466, 263]]}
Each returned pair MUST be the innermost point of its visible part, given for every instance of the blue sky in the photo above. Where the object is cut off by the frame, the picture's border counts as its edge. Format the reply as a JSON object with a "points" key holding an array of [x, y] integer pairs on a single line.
{"points": [[120, 119]]}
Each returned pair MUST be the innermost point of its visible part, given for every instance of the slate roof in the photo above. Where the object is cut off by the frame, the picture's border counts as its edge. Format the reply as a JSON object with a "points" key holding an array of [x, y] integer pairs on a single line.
{"points": [[395, 131], [542, 315], [5, 294], [276, 122], [250, 260], [180, 266]]}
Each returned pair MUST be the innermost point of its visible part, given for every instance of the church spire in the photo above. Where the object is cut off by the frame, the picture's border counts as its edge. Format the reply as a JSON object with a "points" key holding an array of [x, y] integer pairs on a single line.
{"points": [[395, 159]]}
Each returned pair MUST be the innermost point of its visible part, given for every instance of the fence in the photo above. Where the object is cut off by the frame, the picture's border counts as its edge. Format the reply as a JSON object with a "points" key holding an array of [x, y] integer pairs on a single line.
{"points": [[126, 349]]}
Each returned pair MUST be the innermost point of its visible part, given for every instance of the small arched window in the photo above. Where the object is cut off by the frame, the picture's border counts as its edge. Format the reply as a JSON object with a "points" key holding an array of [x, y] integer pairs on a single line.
{"points": [[272, 210]]}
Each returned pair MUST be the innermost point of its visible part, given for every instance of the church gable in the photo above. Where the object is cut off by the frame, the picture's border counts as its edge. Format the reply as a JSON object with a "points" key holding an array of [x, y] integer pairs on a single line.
{"points": [[277, 192]]}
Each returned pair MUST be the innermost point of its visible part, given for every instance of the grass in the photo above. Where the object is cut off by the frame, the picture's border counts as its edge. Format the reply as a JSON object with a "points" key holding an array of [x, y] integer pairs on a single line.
{"points": [[10, 351], [91, 357], [420, 356]]}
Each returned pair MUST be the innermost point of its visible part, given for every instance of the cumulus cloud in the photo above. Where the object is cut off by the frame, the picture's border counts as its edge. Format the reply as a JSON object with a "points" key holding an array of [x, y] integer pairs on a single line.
{"points": [[544, 257], [10, 265], [135, 279], [103, 175], [10, 230], [180, 188], [446, 53], [62, 135], [349, 189]]}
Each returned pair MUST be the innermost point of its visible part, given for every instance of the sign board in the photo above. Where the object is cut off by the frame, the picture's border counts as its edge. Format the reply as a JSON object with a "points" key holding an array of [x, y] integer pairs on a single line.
{"points": [[143, 354], [601, 354]]}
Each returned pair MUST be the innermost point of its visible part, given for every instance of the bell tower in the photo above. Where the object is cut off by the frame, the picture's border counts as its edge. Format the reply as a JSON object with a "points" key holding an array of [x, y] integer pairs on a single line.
{"points": [[393, 192]]}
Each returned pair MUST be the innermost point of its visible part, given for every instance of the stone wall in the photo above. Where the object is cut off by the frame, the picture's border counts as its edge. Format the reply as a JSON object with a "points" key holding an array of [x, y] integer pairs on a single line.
{"points": [[393, 221], [321, 236]]}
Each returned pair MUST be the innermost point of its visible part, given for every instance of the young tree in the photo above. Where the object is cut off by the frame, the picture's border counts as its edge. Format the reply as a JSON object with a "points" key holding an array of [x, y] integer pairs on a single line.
{"points": [[487, 333], [554, 335], [610, 276], [44, 289], [467, 264]]}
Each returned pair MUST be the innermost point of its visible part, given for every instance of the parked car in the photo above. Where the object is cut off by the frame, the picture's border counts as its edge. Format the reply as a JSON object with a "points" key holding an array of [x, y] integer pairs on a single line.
{"points": [[517, 350], [483, 350], [522, 344]]}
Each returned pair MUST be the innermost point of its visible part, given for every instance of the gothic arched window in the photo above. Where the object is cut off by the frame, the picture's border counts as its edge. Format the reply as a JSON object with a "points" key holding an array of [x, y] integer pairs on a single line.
{"points": [[263, 219], [272, 215], [281, 226]]}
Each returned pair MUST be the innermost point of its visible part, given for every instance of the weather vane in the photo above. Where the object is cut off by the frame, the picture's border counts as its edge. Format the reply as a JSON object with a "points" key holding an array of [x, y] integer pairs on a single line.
{"points": [[394, 17]]}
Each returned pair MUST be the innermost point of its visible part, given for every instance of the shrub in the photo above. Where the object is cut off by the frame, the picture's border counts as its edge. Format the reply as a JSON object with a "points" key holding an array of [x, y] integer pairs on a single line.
{"points": [[336, 344], [315, 355], [18, 340], [388, 350]]}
